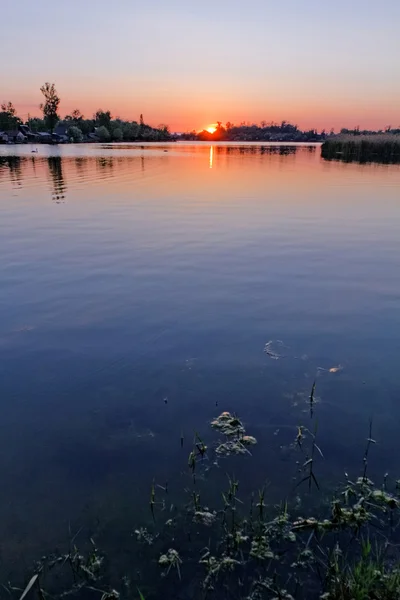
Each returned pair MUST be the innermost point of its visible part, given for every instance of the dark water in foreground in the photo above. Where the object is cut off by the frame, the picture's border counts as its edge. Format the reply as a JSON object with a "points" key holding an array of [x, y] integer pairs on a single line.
{"points": [[138, 288]]}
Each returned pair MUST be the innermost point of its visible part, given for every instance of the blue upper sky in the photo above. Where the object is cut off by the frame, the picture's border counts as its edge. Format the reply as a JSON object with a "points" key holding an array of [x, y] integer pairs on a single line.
{"points": [[186, 63]]}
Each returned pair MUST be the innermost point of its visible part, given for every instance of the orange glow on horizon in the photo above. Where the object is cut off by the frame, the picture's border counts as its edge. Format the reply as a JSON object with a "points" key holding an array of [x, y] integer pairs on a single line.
{"points": [[310, 114]]}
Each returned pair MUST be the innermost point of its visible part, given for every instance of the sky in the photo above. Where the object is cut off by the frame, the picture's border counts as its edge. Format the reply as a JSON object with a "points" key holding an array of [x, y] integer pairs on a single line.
{"points": [[188, 64]]}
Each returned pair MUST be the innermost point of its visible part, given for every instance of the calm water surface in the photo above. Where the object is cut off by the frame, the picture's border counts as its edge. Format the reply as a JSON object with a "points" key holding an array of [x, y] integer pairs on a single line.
{"points": [[139, 286]]}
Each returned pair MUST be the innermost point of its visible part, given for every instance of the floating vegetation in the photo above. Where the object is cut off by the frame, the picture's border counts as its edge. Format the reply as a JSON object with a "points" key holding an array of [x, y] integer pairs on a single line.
{"points": [[260, 548], [228, 424], [231, 447], [205, 516], [248, 440], [335, 369], [171, 560], [142, 535], [215, 567], [237, 441], [274, 349], [76, 571]]}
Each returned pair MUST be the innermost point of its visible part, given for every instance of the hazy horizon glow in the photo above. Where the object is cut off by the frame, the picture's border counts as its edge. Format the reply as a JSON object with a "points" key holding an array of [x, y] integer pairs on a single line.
{"points": [[316, 64]]}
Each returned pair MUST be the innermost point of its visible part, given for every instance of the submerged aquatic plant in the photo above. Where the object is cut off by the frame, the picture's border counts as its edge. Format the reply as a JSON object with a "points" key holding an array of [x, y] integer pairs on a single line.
{"points": [[237, 441], [215, 566], [205, 516], [260, 548], [142, 535], [231, 447], [229, 425], [171, 560], [78, 572], [344, 549]]}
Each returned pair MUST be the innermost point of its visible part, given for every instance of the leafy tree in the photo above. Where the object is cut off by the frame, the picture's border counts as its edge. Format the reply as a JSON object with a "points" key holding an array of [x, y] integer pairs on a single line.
{"points": [[35, 124], [77, 119], [283, 131], [130, 131], [103, 134], [50, 106], [86, 126], [8, 117], [103, 118], [148, 134], [75, 134], [141, 121], [220, 131], [9, 108], [77, 115], [117, 134], [163, 132]]}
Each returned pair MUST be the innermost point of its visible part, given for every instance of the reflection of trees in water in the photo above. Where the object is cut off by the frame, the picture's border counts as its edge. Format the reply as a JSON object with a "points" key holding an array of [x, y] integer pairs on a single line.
{"points": [[55, 170], [14, 166], [105, 164], [88, 168], [81, 165], [33, 163], [280, 150]]}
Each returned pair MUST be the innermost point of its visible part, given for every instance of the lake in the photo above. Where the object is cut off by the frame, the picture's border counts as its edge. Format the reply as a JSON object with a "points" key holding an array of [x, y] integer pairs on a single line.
{"points": [[140, 288]]}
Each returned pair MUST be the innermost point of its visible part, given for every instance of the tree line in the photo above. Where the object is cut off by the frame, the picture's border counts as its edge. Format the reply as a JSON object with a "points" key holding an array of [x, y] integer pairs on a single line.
{"points": [[77, 127], [104, 127], [251, 132], [271, 131], [358, 131]]}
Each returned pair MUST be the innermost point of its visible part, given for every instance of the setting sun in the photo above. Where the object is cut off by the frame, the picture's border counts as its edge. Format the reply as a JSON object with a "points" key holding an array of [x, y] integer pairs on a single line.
{"points": [[211, 129]]}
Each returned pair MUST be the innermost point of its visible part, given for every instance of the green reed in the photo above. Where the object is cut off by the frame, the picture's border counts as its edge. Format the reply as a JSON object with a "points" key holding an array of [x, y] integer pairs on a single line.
{"points": [[384, 148]]}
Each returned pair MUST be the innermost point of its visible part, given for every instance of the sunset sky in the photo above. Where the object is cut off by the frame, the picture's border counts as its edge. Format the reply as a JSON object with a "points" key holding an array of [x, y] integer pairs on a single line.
{"points": [[188, 64]]}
